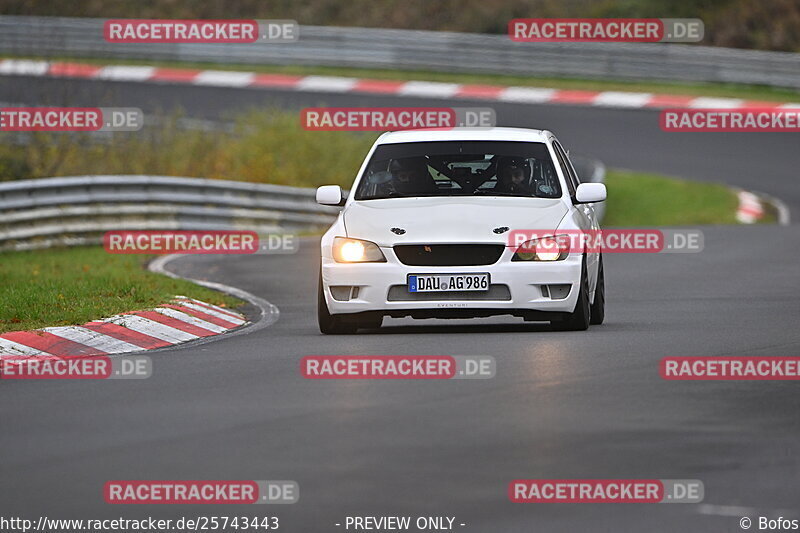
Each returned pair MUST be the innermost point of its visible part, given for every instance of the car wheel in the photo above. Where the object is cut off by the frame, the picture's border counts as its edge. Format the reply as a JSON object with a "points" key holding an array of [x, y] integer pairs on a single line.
{"points": [[580, 318], [330, 324], [598, 311]]}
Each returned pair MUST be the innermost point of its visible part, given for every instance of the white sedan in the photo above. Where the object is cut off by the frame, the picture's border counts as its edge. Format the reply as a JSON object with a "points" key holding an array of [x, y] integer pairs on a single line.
{"points": [[432, 226]]}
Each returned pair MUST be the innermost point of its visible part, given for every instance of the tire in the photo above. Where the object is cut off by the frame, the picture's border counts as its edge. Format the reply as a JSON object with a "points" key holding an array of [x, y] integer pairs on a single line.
{"points": [[580, 318], [330, 324], [598, 311]]}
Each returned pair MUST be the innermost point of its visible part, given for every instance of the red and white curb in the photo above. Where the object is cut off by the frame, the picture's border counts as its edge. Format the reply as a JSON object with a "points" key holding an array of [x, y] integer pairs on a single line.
{"points": [[336, 84], [182, 320], [750, 208]]}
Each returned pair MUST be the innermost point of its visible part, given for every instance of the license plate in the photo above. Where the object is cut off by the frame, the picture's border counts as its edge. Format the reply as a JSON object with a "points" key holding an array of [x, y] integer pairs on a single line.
{"points": [[448, 282]]}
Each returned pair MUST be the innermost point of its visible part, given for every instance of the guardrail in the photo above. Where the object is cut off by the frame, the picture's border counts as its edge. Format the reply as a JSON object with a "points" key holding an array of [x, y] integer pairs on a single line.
{"points": [[422, 50], [78, 210]]}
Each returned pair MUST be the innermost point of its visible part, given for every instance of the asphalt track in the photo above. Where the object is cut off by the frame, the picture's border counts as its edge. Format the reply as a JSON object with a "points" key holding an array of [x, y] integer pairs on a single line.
{"points": [[563, 405]]}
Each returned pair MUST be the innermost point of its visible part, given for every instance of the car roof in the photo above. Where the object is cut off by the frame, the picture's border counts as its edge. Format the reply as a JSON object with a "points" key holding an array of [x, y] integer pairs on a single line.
{"points": [[465, 134]]}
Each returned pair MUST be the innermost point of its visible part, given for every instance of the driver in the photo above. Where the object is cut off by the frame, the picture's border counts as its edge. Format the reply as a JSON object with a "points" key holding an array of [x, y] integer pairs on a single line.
{"points": [[514, 175], [410, 176]]}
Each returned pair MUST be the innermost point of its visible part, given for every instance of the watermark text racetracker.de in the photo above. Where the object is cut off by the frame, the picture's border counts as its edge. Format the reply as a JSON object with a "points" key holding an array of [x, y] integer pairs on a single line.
{"points": [[155, 31], [198, 242], [398, 367], [71, 119], [541, 30], [201, 492], [80, 367], [731, 120], [542, 243], [606, 491], [395, 118], [737, 368]]}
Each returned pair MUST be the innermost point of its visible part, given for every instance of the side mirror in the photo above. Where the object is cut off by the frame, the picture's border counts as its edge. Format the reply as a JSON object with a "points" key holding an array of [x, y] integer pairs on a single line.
{"points": [[330, 195], [588, 193]]}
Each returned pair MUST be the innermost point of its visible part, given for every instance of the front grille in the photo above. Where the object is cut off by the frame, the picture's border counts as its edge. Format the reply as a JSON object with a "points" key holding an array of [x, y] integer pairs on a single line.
{"points": [[448, 254], [399, 293]]}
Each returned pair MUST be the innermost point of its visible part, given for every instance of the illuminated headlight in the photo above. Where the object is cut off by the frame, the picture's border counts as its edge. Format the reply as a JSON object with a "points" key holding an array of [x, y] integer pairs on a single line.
{"points": [[356, 251], [554, 248]]}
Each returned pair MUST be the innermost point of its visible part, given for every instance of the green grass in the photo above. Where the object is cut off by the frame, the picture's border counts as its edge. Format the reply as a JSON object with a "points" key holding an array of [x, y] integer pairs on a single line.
{"points": [[270, 146], [266, 146], [66, 286], [638, 199], [727, 90]]}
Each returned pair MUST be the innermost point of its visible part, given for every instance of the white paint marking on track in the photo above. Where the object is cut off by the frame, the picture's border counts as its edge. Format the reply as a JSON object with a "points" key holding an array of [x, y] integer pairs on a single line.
{"points": [[622, 99], [715, 103], [224, 78], [204, 305], [337, 84], [93, 339], [532, 95], [331, 84], [9, 347], [125, 73], [212, 312], [269, 312], [189, 319], [430, 89], [22, 67], [155, 329]]}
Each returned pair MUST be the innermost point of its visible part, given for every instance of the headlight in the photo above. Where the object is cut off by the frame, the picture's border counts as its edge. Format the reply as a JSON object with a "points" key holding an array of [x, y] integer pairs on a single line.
{"points": [[356, 251], [554, 248]]}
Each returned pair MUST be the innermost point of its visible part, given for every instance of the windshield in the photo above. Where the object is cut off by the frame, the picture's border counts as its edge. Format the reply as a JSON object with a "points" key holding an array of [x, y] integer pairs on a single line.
{"points": [[460, 168]]}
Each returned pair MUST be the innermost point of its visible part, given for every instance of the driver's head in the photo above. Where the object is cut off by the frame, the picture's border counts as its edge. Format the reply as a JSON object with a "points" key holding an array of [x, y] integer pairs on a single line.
{"points": [[409, 169], [514, 170]]}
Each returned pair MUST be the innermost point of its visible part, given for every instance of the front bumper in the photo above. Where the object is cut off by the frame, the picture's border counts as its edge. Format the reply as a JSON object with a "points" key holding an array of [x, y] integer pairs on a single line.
{"points": [[516, 287]]}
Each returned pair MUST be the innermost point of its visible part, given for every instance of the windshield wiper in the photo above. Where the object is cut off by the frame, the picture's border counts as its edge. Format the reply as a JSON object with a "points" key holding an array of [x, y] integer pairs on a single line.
{"points": [[488, 192]]}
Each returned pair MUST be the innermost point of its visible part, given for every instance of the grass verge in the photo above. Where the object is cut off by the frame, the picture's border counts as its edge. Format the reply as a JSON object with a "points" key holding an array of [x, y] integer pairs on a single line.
{"points": [[270, 146], [726, 90], [66, 286], [264, 146], [639, 199]]}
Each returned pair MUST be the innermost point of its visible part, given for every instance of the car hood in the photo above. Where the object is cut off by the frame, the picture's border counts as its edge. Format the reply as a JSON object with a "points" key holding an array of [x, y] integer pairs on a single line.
{"points": [[443, 220]]}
